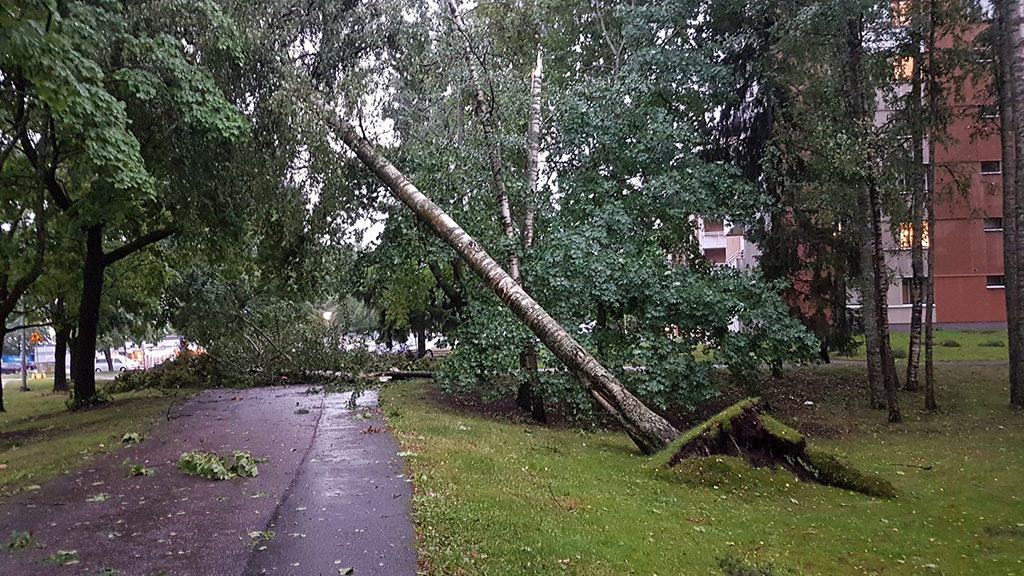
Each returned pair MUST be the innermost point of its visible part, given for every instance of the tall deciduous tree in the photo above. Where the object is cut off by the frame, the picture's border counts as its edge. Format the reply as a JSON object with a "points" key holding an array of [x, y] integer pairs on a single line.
{"points": [[132, 125]]}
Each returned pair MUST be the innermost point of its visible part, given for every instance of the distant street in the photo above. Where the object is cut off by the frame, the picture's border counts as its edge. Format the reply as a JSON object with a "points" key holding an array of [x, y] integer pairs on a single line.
{"points": [[11, 381]]}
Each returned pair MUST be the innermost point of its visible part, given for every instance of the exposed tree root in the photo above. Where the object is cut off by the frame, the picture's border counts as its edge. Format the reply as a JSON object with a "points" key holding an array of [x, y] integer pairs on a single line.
{"points": [[740, 430]]}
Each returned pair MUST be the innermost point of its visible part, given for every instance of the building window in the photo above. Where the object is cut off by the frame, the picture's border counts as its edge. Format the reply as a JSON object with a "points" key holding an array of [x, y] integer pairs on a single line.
{"points": [[901, 13], [992, 167], [906, 236], [903, 68], [907, 288], [716, 255], [993, 224], [713, 226], [995, 281]]}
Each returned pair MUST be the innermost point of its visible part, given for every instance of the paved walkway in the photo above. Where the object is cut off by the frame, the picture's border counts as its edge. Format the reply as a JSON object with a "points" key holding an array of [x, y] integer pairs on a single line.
{"points": [[331, 491]]}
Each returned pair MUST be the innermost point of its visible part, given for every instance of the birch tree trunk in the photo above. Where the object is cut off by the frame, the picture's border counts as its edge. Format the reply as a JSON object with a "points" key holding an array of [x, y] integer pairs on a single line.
{"points": [[485, 113], [917, 178], [533, 150], [647, 429], [890, 379], [1011, 101], [528, 398], [933, 91], [929, 289]]}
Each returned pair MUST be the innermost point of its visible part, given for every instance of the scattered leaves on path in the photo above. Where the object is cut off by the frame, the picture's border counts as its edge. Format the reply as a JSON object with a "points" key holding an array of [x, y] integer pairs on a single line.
{"points": [[132, 438], [63, 558], [20, 539], [213, 467]]}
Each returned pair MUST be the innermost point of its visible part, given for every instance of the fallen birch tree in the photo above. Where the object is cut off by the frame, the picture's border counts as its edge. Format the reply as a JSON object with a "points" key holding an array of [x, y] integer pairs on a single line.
{"points": [[648, 430]]}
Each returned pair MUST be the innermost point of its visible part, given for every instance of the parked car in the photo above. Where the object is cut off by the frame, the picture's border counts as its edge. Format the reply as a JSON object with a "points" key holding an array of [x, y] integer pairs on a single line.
{"points": [[121, 364]]}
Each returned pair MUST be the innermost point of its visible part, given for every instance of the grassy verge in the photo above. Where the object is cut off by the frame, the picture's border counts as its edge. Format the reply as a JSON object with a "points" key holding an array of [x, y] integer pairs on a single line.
{"points": [[498, 498], [40, 439], [957, 345]]}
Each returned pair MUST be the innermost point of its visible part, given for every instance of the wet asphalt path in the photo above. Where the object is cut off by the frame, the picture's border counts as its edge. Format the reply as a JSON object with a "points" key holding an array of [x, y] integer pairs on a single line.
{"points": [[331, 491]]}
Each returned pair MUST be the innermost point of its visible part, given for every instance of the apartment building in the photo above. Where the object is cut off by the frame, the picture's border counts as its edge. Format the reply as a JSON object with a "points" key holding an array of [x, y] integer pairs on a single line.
{"points": [[968, 235], [723, 243]]}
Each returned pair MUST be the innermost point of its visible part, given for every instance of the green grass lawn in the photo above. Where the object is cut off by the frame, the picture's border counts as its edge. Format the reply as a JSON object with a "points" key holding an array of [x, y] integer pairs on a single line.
{"points": [[40, 438], [501, 497], [970, 345]]}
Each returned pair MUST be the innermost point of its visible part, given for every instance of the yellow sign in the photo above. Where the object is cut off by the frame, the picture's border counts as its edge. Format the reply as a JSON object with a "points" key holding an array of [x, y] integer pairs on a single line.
{"points": [[35, 338]]}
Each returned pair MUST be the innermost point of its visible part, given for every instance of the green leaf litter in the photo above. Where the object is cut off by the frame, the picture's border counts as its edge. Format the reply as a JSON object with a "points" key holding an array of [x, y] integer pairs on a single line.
{"points": [[214, 467]]}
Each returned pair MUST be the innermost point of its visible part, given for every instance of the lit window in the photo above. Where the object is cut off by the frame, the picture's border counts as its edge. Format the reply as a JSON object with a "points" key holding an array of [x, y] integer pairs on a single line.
{"points": [[992, 167], [901, 12], [906, 237], [995, 281], [903, 68], [993, 224]]}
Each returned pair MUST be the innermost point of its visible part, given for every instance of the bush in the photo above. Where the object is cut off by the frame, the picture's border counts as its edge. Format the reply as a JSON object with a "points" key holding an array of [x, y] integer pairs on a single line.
{"points": [[950, 344], [995, 343], [899, 353]]}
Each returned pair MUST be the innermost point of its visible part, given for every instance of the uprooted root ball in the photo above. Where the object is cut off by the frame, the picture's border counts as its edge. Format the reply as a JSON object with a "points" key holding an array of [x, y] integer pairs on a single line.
{"points": [[741, 430]]}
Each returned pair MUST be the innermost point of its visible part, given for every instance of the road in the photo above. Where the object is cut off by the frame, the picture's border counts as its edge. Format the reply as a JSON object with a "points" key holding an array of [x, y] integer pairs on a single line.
{"points": [[332, 492]]}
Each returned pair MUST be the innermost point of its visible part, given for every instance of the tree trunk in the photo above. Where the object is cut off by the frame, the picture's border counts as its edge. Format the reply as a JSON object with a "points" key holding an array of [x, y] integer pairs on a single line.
{"points": [[533, 151], [869, 212], [934, 92], [1011, 104], [647, 429], [1011, 269], [929, 287], [890, 379], [84, 365], [1017, 59], [917, 177], [421, 342], [868, 296], [485, 114], [109, 358], [60, 372], [528, 398]]}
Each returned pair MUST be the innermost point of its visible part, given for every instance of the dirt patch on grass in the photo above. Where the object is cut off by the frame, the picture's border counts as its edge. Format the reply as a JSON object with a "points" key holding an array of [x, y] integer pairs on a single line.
{"points": [[504, 409], [797, 398], [17, 437]]}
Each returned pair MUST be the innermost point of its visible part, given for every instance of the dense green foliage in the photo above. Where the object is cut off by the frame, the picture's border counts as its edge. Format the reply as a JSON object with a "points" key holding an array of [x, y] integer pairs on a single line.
{"points": [[615, 257]]}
